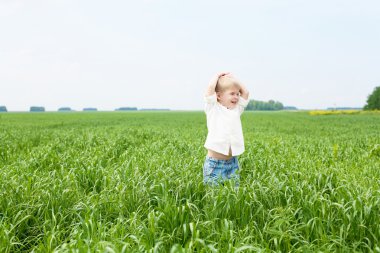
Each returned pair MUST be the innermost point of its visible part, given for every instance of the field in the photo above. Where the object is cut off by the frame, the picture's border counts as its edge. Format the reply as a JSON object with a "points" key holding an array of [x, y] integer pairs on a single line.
{"points": [[132, 182]]}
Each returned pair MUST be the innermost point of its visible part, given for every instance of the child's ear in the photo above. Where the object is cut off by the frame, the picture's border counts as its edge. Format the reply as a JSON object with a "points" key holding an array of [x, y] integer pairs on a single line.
{"points": [[218, 95]]}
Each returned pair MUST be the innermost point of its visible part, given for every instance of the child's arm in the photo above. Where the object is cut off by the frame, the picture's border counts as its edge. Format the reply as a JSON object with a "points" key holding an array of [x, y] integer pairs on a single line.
{"points": [[244, 93], [243, 101], [213, 82]]}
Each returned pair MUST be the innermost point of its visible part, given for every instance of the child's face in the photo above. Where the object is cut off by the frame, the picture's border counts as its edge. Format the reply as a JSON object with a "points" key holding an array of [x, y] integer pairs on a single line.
{"points": [[229, 98]]}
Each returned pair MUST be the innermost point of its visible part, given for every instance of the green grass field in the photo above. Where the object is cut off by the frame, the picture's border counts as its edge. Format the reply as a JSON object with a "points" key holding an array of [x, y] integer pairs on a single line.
{"points": [[132, 182]]}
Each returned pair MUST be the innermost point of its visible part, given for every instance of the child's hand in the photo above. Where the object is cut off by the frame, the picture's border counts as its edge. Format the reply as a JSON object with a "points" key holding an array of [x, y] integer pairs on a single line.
{"points": [[223, 74], [212, 84]]}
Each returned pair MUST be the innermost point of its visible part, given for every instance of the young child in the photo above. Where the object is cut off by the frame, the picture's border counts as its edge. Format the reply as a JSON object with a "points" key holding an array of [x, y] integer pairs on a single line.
{"points": [[225, 100]]}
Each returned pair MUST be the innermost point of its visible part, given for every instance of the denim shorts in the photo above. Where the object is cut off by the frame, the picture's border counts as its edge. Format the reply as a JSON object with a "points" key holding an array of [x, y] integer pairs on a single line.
{"points": [[217, 171]]}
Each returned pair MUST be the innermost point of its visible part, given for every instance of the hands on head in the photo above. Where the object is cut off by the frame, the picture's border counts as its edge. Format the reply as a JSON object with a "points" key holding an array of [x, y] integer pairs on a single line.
{"points": [[242, 89], [224, 74], [214, 81]]}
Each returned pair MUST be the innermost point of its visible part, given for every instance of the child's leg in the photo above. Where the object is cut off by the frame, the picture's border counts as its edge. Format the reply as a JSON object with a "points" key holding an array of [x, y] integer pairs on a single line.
{"points": [[233, 171], [210, 174]]}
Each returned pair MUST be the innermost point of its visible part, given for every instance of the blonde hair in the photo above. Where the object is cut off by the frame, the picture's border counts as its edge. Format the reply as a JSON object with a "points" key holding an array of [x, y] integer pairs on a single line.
{"points": [[226, 82]]}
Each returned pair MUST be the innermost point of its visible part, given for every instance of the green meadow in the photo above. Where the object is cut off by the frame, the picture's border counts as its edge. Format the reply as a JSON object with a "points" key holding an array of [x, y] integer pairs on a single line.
{"points": [[132, 182]]}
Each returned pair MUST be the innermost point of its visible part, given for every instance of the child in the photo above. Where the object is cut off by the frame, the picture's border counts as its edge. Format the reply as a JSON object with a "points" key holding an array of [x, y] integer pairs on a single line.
{"points": [[225, 100]]}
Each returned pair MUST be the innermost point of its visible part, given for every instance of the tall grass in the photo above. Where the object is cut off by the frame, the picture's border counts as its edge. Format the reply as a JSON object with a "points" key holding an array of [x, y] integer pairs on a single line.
{"points": [[132, 182]]}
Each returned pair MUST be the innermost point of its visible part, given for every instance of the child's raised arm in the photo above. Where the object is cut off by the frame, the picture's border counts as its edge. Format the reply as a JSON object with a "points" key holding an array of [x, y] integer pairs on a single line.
{"points": [[244, 93], [213, 82]]}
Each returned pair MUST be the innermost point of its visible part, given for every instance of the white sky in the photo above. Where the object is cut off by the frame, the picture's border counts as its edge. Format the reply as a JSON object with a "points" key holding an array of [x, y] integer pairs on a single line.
{"points": [[162, 53]]}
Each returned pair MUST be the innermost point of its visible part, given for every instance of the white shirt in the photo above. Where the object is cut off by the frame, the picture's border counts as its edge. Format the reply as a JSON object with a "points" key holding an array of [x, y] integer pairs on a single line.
{"points": [[224, 126]]}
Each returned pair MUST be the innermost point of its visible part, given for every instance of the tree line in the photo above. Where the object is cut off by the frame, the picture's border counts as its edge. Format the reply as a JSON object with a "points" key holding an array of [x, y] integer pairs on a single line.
{"points": [[271, 105], [373, 100], [373, 103], [68, 109]]}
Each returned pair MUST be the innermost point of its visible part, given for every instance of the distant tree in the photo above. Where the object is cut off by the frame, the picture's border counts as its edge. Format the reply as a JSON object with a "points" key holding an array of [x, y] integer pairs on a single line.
{"points": [[373, 100], [37, 109], [3, 109], [126, 109], [64, 109], [90, 109], [271, 105], [290, 108]]}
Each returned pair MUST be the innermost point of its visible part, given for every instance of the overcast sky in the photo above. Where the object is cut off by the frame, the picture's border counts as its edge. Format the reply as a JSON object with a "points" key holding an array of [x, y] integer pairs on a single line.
{"points": [[162, 53]]}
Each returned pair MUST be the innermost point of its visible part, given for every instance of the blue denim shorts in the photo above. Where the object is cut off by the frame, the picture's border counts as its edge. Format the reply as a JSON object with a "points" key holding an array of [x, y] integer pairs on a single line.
{"points": [[217, 171]]}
